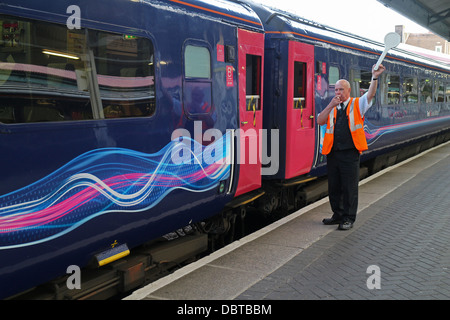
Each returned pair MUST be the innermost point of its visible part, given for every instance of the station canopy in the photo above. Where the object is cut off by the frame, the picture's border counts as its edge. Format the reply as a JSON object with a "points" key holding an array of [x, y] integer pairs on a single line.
{"points": [[433, 15]]}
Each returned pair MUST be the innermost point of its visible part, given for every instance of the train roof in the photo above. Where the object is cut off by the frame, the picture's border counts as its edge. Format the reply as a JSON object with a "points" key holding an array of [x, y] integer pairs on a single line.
{"points": [[233, 11], [129, 12], [284, 24], [243, 13]]}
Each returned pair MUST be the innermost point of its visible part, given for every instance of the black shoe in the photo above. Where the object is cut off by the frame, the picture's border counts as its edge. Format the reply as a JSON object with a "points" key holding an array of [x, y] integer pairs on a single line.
{"points": [[331, 221], [347, 225]]}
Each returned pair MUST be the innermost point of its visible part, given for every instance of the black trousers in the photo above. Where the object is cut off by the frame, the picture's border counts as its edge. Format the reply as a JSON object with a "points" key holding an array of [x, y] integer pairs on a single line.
{"points": [[343, 180]]}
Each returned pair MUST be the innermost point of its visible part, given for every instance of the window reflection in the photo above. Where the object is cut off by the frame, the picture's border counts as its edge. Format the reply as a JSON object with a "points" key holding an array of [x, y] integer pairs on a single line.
{"points": [[125, 74], [410, 90], [38, 74], [393, 89], [360, 83], [45, 67], [425, 91]]}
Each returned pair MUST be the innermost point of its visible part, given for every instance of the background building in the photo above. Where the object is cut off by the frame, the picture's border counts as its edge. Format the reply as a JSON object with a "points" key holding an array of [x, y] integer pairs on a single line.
{"points": [[428, 41]]}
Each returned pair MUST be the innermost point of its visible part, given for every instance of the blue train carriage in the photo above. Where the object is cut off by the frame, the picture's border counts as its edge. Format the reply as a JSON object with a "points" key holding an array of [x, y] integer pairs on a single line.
{"points": [[303, 61], [117, 124]]}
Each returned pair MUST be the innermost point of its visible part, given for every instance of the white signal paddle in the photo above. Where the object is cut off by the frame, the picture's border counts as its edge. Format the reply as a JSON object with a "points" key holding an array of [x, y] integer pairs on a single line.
{"points": [[391, 40]]}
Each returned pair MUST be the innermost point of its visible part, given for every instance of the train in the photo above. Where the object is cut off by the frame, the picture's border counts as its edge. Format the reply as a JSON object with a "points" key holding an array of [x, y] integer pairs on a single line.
{"points": [[122, 121]]}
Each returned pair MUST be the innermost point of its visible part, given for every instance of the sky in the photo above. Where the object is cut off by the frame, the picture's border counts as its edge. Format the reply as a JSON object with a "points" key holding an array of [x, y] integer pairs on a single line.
{"points": [[367, 18]]}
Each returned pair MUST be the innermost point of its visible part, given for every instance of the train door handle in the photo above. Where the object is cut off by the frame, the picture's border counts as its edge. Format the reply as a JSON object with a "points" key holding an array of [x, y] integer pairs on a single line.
{"points": [[311, 117], [244, 122]]}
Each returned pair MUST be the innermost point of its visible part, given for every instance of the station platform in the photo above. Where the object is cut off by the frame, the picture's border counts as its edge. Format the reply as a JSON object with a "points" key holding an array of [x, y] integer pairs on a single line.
{"points": [[398, 248]]}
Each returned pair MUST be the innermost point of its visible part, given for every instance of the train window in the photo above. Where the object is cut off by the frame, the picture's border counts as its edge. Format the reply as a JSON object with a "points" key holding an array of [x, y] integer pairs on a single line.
{"points": [[197, 96], [253, 85], [299, 84], [410, 90], [125, 74], [425, 87], [439, 91], [393, 89], [333, 75], [41, 76], [197, 62], [360, 82], [447, 93]]}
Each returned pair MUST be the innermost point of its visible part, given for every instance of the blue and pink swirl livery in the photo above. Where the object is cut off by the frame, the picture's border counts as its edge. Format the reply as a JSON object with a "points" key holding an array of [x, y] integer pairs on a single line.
{"points": [[104, 181]]}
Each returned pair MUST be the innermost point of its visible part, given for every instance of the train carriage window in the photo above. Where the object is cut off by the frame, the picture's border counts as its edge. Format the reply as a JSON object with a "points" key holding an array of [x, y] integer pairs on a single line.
{"points": [[410, 90], [125, 74], [447, 93], [253, 85], [333, 76], [299, 85], [439, 91], [41, 72], [197, 62], [425, 87], [393, 89], [197, 85], [360, 82]]}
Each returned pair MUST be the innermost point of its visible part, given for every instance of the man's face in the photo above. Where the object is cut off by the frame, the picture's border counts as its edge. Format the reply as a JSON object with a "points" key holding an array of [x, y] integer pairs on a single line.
{"points": [[342, 90]]}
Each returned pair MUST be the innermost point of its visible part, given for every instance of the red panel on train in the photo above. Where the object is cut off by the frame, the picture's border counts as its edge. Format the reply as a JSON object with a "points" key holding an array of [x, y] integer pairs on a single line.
{"points": [[251, 62], [300, 120]]}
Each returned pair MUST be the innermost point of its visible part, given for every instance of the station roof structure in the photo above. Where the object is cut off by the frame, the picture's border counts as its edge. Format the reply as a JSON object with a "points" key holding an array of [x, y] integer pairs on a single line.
{"points": [[433, 15]]}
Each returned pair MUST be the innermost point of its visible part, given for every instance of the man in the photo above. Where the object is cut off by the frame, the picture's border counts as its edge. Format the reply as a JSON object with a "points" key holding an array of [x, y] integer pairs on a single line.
{"points": [[343, 143]]}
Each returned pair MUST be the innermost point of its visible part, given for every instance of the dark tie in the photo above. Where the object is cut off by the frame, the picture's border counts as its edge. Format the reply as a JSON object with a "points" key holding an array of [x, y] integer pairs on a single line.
{"points": [[342, 109]]}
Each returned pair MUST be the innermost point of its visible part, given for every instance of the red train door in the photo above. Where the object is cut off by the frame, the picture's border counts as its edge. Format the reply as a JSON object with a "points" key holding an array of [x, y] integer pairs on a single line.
{"points": [[300, 133], [250, 73]]}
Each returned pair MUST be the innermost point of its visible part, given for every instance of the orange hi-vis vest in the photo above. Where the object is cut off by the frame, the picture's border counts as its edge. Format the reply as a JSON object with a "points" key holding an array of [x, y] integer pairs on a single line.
{"points": [[356, 124]]}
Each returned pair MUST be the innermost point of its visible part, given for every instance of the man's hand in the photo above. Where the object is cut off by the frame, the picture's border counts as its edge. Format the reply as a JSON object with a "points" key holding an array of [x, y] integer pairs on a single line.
{"points": [[377, 73], [335, 101]]}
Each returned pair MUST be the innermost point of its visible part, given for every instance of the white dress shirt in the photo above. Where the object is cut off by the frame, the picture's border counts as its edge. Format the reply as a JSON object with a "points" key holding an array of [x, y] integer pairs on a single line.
{"points": [[364, 105]]}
